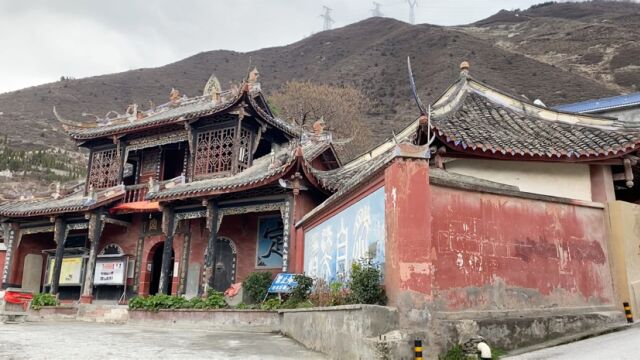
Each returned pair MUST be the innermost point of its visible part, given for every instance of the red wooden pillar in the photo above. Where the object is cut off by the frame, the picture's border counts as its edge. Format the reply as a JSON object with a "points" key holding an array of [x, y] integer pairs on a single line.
{"points": [[408, 259]]}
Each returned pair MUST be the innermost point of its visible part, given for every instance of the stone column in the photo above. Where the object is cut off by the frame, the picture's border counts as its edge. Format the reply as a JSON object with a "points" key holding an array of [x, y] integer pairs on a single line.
{"points": [[212, 224], [60, 237], [95, 231], [169, 231]]}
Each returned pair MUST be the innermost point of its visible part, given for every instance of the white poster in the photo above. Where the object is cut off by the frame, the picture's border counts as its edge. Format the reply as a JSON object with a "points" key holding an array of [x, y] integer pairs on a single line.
{"points": [[109, 272]]}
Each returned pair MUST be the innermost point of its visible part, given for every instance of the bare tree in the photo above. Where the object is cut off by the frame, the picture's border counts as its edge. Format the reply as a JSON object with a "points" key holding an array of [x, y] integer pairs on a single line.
{"points": [[343, 109]]}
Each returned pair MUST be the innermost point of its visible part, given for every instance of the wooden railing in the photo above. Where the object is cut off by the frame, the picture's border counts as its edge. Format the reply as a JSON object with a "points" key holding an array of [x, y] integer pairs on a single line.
{"points": [[135, 193]]}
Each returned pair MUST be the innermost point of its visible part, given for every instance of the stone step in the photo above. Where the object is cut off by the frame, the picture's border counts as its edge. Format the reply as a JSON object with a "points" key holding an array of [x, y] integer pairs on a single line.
{"points": [[103, 313]]}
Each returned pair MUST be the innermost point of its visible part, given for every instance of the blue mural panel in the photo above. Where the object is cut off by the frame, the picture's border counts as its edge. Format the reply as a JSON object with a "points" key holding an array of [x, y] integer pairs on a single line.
{"points": [[356, 233], [270, 242]]}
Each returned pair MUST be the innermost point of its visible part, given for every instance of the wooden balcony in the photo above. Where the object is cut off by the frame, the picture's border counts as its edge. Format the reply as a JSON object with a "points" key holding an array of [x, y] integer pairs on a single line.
{"points": [[135, 193]]}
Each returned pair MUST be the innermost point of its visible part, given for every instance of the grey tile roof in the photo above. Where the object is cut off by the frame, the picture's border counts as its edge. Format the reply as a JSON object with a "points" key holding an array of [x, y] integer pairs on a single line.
{"points": [[474, 117], [264, 169], [186, 110], [71, 203]]}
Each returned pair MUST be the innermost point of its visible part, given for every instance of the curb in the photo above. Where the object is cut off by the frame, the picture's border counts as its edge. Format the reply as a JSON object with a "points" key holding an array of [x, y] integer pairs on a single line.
{"points": [[571, 339]]}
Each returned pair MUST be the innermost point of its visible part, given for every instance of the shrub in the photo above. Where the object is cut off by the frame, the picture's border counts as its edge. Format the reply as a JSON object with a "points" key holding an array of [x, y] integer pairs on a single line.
{"points": [[333, 294], [214, 300], [301, 292], [365, 284], [271, 304], [453, 353], [257, 284], [40, 300]]}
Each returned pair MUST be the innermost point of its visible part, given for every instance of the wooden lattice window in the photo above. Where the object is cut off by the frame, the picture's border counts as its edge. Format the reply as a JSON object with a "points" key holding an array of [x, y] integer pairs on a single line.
{"points": [[244, 152], [214, 151], [105, 169]]}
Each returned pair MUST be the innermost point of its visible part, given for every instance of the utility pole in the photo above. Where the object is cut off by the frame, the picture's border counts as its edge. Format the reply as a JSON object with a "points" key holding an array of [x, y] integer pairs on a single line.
{"points": [[412, 13], [376, 10], [328, 20]]}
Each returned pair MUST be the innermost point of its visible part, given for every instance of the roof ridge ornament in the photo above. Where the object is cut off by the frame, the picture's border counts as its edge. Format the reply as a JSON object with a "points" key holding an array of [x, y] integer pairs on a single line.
{"points": [[67, 124], [213, 89], [174, 96], [464, 69], [425, 112]]}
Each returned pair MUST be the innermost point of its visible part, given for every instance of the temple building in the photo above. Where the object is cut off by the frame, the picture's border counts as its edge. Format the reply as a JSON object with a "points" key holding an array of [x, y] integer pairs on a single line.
{"points": [[169, 190], [484, 204]]}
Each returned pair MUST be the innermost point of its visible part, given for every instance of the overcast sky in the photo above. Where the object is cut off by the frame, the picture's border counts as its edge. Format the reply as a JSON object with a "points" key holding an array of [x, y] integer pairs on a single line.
{"points": [[41, 40]]}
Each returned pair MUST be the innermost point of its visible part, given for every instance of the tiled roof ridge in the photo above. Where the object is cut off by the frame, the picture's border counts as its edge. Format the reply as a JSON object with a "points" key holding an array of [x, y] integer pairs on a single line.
{"points": [[455, 95], [155, 119], [187, 109], [70, 203], [471, 115]]}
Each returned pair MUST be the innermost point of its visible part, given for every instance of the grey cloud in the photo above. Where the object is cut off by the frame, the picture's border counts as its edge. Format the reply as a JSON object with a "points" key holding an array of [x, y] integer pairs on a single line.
{"points": [[41, 40]]}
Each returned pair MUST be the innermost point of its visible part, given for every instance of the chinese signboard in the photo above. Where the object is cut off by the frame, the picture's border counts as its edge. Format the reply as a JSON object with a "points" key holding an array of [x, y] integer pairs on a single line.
{"points": [[70, 272], [356, 233], [110, 271], [283, 283], [270, 242]]}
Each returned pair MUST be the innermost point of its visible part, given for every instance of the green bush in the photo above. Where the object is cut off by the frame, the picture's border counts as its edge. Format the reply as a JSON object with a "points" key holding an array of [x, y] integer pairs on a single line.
{"points": [[456, 353], [301, 292], [257, 284], [333, 294], [214, 300], [365, 284], [40, 300], [453, 353], [271, 304]]}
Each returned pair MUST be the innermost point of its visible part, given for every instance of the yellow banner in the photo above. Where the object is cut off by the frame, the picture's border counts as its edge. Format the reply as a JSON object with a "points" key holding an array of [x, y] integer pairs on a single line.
{"points": [[70, 271]]}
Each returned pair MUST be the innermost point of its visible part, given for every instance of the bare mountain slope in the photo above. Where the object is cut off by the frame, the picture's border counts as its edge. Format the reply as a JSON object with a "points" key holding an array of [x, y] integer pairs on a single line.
{"points": [[593, 39], [371, 55]]}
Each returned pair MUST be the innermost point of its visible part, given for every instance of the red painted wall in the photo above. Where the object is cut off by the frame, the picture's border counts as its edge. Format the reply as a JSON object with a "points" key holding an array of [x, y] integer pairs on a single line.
{"points": [[450, 249], [242, 230], [30, 244], [500, 252]]}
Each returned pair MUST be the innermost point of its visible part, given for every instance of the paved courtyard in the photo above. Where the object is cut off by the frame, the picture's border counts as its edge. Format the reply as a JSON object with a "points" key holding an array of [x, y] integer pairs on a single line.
{"points": [[622, 345], [78, 340]]}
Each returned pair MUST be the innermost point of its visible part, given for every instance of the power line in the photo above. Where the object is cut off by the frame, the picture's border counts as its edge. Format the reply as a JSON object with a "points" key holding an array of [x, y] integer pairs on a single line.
{"points": [[327, 19], [376, 10]]}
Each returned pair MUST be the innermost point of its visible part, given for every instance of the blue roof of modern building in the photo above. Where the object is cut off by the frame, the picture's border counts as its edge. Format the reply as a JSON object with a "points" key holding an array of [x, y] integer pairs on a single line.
{"points": [[600, 105]]}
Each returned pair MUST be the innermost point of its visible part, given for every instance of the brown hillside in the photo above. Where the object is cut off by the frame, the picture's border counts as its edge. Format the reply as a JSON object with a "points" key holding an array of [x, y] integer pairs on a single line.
{"points": [[557, 58], [593, 39]]}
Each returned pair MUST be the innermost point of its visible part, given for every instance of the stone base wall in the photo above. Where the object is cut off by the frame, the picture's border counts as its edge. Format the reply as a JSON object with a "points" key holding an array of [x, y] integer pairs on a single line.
{"points": [[53, 313], [223, 319], [365, 331], [345, 332], [514, 332]]}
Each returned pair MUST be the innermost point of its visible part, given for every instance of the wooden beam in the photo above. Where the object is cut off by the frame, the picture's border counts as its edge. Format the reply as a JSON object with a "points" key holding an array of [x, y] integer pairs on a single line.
{"points": [[213, 239], [95, 232], [169, 230], [59, 236]]}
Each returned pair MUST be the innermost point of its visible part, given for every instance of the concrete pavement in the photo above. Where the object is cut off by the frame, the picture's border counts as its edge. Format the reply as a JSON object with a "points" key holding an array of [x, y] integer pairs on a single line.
{"points": [[81, 340], [621, 345]]}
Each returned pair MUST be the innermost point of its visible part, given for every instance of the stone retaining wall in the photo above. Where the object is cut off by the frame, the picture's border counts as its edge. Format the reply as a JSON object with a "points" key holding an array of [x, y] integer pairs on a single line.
{"points": [[222, 319], [347, 332], [53, 313]]}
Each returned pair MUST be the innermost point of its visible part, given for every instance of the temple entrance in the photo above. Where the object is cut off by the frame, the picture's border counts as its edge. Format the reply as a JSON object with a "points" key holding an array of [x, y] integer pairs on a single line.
{"points": [[156, 268], [224, 264]]}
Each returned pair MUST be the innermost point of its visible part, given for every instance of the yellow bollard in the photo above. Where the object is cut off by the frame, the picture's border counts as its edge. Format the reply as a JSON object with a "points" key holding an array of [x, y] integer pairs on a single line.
{"points": [[627, 312], [417, 348]]}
